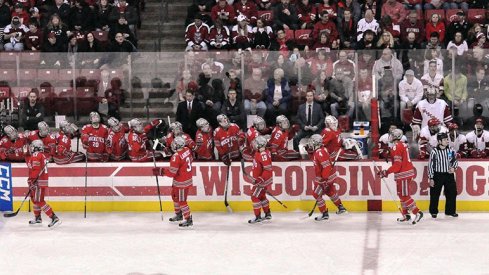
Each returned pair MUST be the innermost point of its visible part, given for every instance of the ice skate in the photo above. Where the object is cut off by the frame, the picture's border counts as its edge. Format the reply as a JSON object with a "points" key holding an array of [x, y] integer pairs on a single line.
{"points": [[257, 219], [418, 217], [324, 216], [341, 210], [187, 223], [404, 219], [55, 221], [178, 217], [36, 221], [268, 216]]}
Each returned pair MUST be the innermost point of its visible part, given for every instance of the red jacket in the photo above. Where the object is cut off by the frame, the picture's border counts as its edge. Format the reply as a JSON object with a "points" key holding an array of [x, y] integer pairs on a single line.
{"points": [[439, 28]]}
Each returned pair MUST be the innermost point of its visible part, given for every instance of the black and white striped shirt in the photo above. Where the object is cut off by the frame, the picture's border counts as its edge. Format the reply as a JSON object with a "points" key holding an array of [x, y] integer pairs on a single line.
{"points": [[441, 160]]}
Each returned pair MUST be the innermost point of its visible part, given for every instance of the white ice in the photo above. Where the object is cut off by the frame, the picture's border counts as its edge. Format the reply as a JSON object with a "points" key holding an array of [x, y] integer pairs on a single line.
{"points": [[219, 243]]}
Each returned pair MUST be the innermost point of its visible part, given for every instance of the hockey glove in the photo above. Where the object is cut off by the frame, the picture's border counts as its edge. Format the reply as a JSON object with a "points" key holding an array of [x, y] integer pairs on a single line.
{"points": [[382, 174], [226, 160], [32, 184], [158, 171], [156, 122]]}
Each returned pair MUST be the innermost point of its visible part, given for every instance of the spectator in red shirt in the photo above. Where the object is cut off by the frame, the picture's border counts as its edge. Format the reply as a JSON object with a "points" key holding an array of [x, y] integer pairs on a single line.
{"points": [[395, 10], [325, 25], [33, 38], [246, 8], [21, 13], [306, 13], [435, 25], [223, 11], [330, 7], [197, 35]]}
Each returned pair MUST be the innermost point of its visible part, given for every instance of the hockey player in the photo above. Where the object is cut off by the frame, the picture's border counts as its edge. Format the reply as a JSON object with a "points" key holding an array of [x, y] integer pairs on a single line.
{"points": [[262, 177], [457, 141], [404, 173], [138, 141], [38, 183], [48, 139], [332, 141], [94, 136], [427, 137], [64, 154], [478, 141], [116, 144], [429, 108], [258, 128], [204, 149], [181, 171], [13, 145], [228, 138], [385, 144], [279, 140], [176, 130], [325, 177]]}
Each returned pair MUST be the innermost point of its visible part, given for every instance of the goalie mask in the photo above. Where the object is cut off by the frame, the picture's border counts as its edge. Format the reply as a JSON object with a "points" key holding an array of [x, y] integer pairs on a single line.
{"points": [[260, 142], [434, 125], [36, 146], [223, 121], [11, 132], [136, 125], [176, 128], [395, 134], [178, 143], [203, 125], [331, 122], [479, 126], [283, 122], [315, 141], [114, 124], [43, 128], [94, 118], [259, 123], [431, 94]]}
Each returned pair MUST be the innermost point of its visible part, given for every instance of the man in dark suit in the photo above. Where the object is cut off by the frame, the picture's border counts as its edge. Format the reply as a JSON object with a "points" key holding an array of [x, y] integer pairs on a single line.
{"points": [[310, 118], [188, 112]]}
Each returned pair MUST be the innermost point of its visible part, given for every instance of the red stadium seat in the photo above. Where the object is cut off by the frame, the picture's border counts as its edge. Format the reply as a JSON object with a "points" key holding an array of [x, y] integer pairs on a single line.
{"points": [[429, 13], [8, 56], [63, 91], [102, 36], [476, 16], [50, 75], [63, 104], [8, 75], [86, 100], [303, 37], [48, 98], [65, 76], [451, 15], [266, 16], [21, 92], [4, 93], [27, 76], [116, 73], [90, 73], [289, 34], [30, 57]]}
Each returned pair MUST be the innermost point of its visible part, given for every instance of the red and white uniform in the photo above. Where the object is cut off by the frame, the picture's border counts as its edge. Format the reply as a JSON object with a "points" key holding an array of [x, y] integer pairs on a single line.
{"points": [[404, 173], [478, 146], [93, 140], [49, 142], [38, 182], [385, 144], [248, 152], [263, 177], [459, 145], [219, 36], [428, 141], [325, 174], [426, 111], [13, 150], [189, 142], [333, 143], [204, 149], [137, 143], [63, 154], [197, 35], [117, 145], [278, 145], [227, 141]]}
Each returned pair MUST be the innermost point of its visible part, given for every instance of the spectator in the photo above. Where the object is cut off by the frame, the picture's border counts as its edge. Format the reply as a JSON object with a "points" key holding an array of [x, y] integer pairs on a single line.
{"points": [[432, 55], [395, 10], [285, 15], [248, 9], [91, 49], [369, 5], [33, 111], [102, 15], [368, 41], [322, 94], [410, 91], [119, 50], [253, 94], [306, 13], [477, 112], [282, 44], [386, 41], [56, 26], [278, 94], [264, 5], [242, 33], [14, 34], [232, 82], [365, 94], [186, 82], [219, 36], [388, 61], [188, 112], [122, 26], [458, 44], [386, 98], [387, 25], [115, 97], [432, 77], [197, 8], [411, 53], [35, 16], [225, 12], [367, 23], [123, 10], [347, 30], [458, 25], [366, 61], [478, 89], [262, 35], [322, 63], [234, 110], [330, 7], [456, 90], [5, 16], [352, 7], [435, 25], [49, 49], [436, 4], [341, 89], [33, 38], [81, 17], [346, 65], [327, 26], [196, 35], [310, 118], [474, 31], [413, 4], [481, 42], [21, 13], [413, 25], [323, 43]]}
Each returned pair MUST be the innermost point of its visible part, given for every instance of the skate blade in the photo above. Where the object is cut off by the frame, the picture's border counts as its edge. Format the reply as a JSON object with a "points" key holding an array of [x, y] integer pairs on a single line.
{"points": [[35, 225], [342, 213], [186, 227], [55, 225]]}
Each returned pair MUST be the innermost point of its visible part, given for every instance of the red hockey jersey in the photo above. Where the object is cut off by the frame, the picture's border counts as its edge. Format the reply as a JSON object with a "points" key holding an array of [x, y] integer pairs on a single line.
{"points": [[262, 168], [117, 145], [228, 141], [49, 142], [181, 168], [204, 149], [189, 142], [37, 168], [323, 168], [278, 139], [332, 140], [402, 167], [93, 140], [13, 150]]}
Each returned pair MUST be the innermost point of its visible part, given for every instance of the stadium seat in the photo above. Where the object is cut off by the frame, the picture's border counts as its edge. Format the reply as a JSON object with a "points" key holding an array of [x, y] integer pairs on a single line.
{"points": [[476, 16], [451, 15], [303, 37], [65, 76], [30, 57], [429, 13], [289, 34], [102, 36], [50, 75], [116, 73], [48, 98], [63, 104], [8, 75], [21, 92], [27, 76], [86, 100], [266, 16], [8, 56], [90, 73]]}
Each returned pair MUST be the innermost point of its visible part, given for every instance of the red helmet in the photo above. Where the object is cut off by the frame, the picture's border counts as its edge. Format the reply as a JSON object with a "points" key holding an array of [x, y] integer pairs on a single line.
{"points": [[479, 120], [452, 126], [433, 122]]}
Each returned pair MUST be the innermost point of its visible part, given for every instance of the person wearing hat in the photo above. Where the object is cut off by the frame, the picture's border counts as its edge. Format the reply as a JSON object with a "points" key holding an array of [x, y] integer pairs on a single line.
{"points": [[242, 33], [460, 24], [441, 172], [410, 90], [21, 13], [478, 140], [225, 12], [14, 34], [480, 42]]}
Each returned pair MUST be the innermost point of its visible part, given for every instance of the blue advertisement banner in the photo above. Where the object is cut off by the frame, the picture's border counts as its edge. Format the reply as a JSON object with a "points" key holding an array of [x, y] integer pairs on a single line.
{"points": [[6, 202]]}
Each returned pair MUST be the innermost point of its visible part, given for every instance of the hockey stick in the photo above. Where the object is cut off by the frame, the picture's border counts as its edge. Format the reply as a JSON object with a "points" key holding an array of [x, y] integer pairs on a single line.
{"points": [[389, 189], [13, 214], [157, 181], [226, 203], [268, 193], [86, 185]]}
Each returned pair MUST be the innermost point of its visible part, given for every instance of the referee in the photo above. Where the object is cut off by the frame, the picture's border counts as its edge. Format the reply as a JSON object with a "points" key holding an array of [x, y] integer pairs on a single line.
{"points": [[441, 171]]}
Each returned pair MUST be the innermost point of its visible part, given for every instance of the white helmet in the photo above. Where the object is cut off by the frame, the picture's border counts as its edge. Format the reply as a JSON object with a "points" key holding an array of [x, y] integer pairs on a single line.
{"points": [[11, 132], [114, 124], [94, 118], [283, 122], [36, 146], [315, 141], [203, 125], [63, 124], [431, 92], [43, 128], [178, 142], [349, 143], [331, 122], [260, 142], [223, 120], [259, 123], [136, 125], [176, 128], [396, 134]]}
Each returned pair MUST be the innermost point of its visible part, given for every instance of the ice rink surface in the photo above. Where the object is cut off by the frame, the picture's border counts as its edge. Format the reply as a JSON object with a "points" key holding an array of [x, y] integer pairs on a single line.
{"points": [[220, 243]]}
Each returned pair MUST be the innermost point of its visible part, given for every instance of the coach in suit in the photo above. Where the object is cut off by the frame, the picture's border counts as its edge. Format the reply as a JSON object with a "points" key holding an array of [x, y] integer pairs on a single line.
{"points": [[310, 117], [188, 112]]}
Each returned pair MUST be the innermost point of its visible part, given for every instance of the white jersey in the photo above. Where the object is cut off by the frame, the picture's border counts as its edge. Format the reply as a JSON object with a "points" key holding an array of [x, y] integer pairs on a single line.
{"points": [[385, 139], [478, 142], [411, 92], [436, 81], [425, 134], [363, 25], [426, 111], [455, 144]]}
